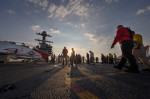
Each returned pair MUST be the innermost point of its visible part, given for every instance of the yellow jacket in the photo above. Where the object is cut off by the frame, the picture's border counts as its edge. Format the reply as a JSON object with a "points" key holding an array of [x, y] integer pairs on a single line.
{"points": [[110, 56], [115, 56], [73, 52], [138, 39]]}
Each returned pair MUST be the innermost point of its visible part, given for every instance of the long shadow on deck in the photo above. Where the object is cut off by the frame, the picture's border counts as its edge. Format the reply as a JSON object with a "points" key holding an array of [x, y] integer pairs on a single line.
{"points": [[131, 85], [11, 67], [25, 87], [84, 88]]}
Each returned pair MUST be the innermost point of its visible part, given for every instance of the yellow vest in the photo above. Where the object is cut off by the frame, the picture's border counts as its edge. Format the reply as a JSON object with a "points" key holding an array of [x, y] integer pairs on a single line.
{"points": [[115, 56], [110, 56], [138, 38], [73, 52]]}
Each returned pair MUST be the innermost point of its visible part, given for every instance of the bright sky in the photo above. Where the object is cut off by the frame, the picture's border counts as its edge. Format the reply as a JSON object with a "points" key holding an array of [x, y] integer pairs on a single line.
{"points": [[80, 24]]}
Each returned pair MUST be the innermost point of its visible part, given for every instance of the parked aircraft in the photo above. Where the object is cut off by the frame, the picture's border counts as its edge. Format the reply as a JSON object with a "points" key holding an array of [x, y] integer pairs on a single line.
{"points": [[10, 49], [43, 54]]}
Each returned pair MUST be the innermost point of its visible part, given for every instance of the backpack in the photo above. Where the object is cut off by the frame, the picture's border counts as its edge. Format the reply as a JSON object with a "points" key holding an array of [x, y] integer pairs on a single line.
{"points": [[130, 31]]}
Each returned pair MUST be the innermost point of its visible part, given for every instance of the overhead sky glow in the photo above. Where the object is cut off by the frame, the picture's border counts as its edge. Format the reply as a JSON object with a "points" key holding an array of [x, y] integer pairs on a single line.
{"points": [[80, 24]]}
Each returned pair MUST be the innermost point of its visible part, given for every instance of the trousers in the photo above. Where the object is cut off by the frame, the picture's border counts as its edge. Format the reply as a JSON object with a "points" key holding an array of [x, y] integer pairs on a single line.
{"points": [[126, 49]]}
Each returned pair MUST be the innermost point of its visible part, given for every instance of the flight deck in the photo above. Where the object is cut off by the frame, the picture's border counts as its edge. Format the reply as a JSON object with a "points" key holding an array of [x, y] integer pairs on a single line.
{"points": [[56, 81]]}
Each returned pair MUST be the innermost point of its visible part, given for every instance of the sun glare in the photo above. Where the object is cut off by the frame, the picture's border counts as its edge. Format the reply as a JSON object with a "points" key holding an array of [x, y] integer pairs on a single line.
{"points": [[69, 51]]}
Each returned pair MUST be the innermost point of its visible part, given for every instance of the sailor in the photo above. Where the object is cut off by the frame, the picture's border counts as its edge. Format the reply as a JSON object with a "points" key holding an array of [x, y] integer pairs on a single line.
{"points": [[72, 58], [139, 51], [65, 52], [91, 57], [126, 43]]}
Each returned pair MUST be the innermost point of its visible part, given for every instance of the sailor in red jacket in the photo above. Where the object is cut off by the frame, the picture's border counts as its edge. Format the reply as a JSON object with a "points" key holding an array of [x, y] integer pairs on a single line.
{"points": [[126, 44], [65, 52]]}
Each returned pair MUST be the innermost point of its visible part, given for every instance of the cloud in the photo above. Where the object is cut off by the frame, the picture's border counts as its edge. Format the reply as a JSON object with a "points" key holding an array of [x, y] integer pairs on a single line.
{"points": [[38, 28], [101, 44], [80, 50], [35, 27], [99, 39], [58, 12], [10, 11], [36, 11], [91, 37], [110, 1], [52, 8], [140, 11], [72, 25], [76, 7], [148, 8], [62, 0], [55, 31], [30, 44], [100, 26], [41, 3], [82, 25]]}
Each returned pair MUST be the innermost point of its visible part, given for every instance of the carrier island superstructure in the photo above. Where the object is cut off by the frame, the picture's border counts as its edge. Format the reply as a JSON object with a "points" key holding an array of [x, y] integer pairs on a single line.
{"points": [[44, 45]]}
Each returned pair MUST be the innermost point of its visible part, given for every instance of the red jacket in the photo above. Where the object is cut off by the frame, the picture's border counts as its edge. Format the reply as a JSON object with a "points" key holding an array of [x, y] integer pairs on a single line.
{"points": [[65, 51], [121, 35]]}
